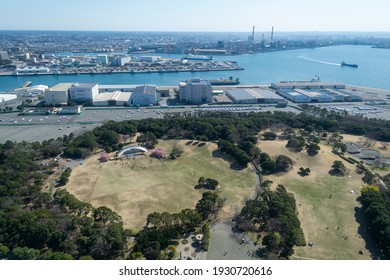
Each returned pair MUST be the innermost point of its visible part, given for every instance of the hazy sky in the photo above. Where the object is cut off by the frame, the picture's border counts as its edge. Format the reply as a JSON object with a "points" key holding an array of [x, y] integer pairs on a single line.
{"points": [[196, 15]]}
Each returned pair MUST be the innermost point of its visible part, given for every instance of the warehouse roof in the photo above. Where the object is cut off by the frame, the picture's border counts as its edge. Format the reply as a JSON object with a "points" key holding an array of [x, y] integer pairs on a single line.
{"points": [[147, 89], [61, 87]]}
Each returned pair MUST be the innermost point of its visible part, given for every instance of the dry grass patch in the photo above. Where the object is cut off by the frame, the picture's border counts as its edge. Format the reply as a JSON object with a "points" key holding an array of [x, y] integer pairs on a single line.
{"points": [[136, 187], [325, 203]]}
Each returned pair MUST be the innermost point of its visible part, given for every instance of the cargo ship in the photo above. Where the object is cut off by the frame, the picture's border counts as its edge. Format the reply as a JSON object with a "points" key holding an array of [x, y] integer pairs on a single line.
{"points": [[225, 82], [349, 65], [198, 57]]}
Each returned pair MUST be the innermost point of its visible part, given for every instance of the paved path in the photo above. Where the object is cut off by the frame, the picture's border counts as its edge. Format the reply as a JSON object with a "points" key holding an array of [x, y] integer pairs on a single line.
{"points": [[226, 245]]}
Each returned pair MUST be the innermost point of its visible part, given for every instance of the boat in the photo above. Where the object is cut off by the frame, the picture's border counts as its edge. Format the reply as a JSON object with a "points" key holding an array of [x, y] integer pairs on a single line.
{"points": [[224, 82], [198, 57], [349, 65]]}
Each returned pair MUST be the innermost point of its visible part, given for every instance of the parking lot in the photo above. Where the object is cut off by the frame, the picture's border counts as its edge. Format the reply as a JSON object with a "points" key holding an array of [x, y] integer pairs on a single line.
{"points": [[361, 109], [43, 127]]}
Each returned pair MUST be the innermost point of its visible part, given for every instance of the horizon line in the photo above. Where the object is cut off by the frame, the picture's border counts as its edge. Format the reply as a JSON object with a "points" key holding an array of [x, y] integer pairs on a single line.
{"points": [[171, 31]]}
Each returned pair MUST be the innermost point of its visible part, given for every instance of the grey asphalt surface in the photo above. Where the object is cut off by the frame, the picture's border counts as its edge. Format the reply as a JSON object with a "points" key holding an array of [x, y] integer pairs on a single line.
{"points": [[226, 245], [42, 127]]}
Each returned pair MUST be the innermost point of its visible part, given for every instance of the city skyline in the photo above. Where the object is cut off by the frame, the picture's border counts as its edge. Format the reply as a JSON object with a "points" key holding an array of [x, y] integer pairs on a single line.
{"points": [[202, 15]]}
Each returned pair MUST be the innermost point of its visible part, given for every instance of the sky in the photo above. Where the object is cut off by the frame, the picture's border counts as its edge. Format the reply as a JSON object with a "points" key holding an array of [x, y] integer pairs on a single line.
{"points": [[196, 15]]}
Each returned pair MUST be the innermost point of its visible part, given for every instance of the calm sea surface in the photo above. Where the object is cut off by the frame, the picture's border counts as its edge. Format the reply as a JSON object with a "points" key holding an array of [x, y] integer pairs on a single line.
{"points": [[265, 68]]}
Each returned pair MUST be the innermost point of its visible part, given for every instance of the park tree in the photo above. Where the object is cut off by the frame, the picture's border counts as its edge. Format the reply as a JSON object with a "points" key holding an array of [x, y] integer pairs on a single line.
{"points": [[105, 215], [206, 237], [64, 178], [104, 157], [4, 251], [283, 163], [312, 149], [269, 135], [108, 138], [209, 204], [370, 178], [339, 147], [296, 143], [304, 171], [149, 140], [338, 169]]}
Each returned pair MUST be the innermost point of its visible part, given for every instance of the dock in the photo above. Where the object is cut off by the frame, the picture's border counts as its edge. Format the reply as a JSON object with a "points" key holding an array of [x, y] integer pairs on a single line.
{"points": [[26, 84]]}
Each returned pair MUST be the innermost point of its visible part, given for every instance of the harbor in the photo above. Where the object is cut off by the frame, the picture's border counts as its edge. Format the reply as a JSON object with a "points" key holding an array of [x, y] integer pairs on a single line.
{"points": [[263, 68]]}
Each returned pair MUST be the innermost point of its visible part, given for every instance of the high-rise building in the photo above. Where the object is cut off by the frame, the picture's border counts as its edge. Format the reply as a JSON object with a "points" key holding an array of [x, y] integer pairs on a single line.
{"points": [[195, 91]]}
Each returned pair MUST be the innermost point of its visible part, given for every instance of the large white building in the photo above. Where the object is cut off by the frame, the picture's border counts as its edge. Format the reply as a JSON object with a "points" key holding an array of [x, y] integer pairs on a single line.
{"points": [[7, 97], [120, 60], [195, 91], [114, 98], [58, 94], [30, 70], [253, 96], [145, 96], [83, 92]]}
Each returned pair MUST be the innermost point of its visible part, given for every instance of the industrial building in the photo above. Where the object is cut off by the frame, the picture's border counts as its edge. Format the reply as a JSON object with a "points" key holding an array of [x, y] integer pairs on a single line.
{"points": [[309, 85], [303, 96], [7, 97], [314, 92], [150, 58], [195, 91], [30, 70], [111, 88], [209, 51], [254, 96], [318, 96], [119, 60], [69, 110], [4, 56], [145, 96], [83, 92], [58, 94], [102, 59], [116, 98]]}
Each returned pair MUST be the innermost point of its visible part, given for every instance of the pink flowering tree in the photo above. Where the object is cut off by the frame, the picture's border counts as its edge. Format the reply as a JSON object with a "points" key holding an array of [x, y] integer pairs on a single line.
{"points": [[104, 157], [158, 153]]}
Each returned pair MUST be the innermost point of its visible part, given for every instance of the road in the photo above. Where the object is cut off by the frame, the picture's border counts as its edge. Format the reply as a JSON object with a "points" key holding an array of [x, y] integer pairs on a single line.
{"points": [[44, 127]]}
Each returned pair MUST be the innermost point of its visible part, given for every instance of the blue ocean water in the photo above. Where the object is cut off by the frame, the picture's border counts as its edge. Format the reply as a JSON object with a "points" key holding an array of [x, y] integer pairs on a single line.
{"points": [[263, 68]]}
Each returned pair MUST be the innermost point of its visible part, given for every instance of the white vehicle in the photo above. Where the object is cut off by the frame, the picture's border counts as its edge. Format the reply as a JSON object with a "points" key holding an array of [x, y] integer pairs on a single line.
{"points": [[60, 128]]}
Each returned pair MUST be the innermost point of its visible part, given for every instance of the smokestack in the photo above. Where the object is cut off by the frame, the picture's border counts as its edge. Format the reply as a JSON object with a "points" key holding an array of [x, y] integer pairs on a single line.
{"points": [[253, 33], [272, 34]]}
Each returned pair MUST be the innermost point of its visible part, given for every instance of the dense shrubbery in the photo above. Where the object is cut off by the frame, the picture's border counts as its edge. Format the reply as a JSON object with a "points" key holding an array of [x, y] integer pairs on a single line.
{"points": [[377, 212], [163, 228], [34, 225], [275, 214], [280, 163]]}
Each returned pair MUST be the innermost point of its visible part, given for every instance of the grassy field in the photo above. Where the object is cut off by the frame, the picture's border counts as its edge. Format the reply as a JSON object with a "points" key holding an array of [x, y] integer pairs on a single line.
{"points": [[136, 187], [326, 204]]}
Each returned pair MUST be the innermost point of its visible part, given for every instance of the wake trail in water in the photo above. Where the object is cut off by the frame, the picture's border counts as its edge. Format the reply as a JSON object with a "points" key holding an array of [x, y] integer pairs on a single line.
{"points": [[319, 61]]}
